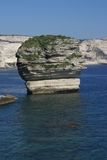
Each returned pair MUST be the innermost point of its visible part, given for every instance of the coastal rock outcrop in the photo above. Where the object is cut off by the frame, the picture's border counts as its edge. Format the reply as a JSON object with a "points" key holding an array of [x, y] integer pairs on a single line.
{"points": [[94, 51], [8, 49], [50, 64]]}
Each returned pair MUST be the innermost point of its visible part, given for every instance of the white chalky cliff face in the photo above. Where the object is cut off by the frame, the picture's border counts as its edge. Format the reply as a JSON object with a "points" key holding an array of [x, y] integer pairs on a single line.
{"points": [[8, 49], [94, 51]]}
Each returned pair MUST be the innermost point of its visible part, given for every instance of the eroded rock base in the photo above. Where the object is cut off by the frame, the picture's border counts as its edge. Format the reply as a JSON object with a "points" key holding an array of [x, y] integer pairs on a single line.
{"points": [[53, 86]]}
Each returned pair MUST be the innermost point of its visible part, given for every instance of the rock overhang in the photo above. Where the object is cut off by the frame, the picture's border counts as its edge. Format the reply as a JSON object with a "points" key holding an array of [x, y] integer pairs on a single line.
{"points": [[49, 59]]}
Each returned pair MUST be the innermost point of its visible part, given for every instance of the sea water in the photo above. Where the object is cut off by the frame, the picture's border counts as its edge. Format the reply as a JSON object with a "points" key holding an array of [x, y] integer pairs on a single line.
{"points": [[55, 127]]}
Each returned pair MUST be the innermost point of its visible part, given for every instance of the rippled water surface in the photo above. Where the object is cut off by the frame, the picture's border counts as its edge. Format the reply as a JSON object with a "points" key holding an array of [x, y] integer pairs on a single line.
{"points": [[55, 127]]}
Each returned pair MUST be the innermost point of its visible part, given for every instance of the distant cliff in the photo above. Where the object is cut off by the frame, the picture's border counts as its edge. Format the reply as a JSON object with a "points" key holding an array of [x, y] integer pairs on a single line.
{"points": [[50, 64], [8, 49], [93, 51]]}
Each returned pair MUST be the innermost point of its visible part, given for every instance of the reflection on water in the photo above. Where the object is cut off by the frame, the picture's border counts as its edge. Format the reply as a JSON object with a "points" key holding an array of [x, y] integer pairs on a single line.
{"points": [[52, 114], [55, 127], [49, 125]]}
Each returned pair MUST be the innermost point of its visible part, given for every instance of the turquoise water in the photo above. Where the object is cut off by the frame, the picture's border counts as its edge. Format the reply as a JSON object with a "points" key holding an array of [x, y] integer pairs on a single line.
{"points": [[55, 127]]}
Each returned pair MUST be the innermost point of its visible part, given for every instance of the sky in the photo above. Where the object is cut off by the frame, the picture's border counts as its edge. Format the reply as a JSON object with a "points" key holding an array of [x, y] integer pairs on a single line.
{"points": [[83, 19]]}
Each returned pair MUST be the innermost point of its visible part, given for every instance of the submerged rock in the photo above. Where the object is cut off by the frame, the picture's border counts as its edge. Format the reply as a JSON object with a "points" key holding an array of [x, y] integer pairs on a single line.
{"points": [[6, 99], [50, 64]]}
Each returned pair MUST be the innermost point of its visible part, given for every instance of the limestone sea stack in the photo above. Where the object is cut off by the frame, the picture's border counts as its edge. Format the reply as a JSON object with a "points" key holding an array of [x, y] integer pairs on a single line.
{"points": [[50, 64]]}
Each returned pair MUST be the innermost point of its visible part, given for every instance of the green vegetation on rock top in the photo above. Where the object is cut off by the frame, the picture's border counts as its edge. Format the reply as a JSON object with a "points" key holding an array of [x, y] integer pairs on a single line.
{"points": [[43, 40]]}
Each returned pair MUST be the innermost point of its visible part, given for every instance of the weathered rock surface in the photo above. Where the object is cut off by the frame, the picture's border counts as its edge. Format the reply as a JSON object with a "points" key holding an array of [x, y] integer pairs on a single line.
{"points": [[50, 64], [8, 49], [53, 85], [94, 51]]}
